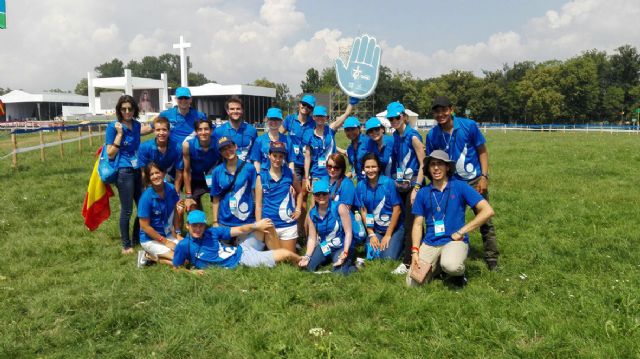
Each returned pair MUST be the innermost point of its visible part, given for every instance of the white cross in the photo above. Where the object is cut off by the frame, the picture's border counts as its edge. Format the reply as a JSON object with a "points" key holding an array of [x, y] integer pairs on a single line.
{"points": [[183, 61]]}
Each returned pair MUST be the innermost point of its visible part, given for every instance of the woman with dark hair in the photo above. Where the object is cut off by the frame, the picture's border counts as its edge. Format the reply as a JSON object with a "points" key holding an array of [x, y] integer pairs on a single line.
{"points": [[330, 233], [442, 205], [160, 213], [379, 204], [380, 144], [341, 189], [123, 138]]}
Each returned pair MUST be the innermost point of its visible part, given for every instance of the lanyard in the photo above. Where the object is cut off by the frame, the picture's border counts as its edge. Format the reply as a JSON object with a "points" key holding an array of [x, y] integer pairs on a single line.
{"points": [[447, 143], [444, 213], [373, 197]]}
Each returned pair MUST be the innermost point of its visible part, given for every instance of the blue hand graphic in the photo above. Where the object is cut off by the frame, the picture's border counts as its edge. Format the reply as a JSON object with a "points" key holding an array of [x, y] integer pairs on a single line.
{"points": [[359, 77]]}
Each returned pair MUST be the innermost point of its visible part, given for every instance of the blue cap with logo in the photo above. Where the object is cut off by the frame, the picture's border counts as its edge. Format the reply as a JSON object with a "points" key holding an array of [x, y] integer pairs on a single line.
{"points": [[183, 92], [320, 111], [394, 109], [224, 141], [274, 112], [372, 123], [196, 216], [309, 100], [351, 122], [321, 186]]}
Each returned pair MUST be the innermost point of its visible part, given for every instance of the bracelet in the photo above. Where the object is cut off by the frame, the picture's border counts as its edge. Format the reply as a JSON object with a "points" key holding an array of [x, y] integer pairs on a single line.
{"points": [[178, 231], [115, 145], [372, 234], [307, 257], [162, 239], [459, 233], [415, 249]]}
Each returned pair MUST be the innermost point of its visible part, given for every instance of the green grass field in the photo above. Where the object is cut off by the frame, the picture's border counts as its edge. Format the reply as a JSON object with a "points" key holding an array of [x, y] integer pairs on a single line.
{"points": [[567, 214]]}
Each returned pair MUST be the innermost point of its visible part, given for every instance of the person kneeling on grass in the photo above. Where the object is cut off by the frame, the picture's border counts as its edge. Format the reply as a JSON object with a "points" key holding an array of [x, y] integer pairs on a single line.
{"points": [[442, 204], [160, 213], [330, 233], [202, 247]]}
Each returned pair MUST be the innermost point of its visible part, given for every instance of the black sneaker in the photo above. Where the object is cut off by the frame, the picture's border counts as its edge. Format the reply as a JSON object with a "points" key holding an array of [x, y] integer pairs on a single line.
{"points": [[458, 282], [492, 265]]}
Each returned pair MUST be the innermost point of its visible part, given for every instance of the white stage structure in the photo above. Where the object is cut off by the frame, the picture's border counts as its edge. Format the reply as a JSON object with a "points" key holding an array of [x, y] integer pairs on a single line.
{"points": [[21, 105], [128, 83]]}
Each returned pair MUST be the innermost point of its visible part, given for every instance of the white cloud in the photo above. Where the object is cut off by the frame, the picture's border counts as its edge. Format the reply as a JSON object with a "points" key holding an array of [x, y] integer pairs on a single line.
{"points": [[56, 43]]}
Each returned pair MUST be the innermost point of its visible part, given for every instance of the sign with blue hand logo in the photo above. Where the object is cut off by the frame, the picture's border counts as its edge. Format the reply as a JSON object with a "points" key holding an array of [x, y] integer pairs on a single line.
{"points": [[359, 76]]}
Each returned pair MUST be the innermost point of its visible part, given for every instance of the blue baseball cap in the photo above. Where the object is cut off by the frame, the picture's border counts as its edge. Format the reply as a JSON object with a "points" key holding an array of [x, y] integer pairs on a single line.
{"points": [[196, 216], [351, 122], [394, 109], [274, 112], [224, 141], [372, 123], [320, 111], [321, 186], [182, 92], [277, 147], [309, 99]]}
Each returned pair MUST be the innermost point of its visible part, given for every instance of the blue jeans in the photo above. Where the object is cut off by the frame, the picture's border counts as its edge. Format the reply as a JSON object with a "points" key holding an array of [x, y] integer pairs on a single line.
{"points": [[129, 186], [396, 244], [318, 259]]}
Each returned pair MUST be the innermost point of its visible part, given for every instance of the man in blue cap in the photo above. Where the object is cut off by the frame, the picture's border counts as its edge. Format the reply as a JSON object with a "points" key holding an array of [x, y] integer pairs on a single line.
{"points": [[202, 247], [182, 117], [462, 140], [243, 134]]}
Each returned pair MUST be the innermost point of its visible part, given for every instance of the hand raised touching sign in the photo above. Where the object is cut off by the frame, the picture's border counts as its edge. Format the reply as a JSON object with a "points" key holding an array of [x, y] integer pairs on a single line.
{"points": [[359, 76]]}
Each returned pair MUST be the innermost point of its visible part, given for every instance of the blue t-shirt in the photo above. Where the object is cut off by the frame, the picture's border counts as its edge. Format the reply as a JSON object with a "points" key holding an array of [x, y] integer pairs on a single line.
{"points": [[158, 210], [385, 154], [342, 191], [330, 227], [242, 193], [296, 132], [167, 161], [260, 151], [355, 156], [128, 145], [461, 145], [403, 151], [201, 161], [379, 202], [321, 148], [277, 202], [181, 126], [208, 251], [452, 202], [243, 137]]}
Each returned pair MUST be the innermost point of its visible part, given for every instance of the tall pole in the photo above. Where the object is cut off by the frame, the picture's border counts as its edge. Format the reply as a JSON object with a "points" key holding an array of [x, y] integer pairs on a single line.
{"points": [[183, 60]]}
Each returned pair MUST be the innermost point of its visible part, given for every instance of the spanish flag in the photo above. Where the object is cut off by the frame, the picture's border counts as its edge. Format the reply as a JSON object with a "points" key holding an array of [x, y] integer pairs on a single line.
{"points": [[95, 209]]}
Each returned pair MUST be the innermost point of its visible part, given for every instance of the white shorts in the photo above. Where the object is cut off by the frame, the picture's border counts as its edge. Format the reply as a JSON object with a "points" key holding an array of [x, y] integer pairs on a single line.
{"points": [[156, 248], [288, 233], [253, 258], [251, 240]]}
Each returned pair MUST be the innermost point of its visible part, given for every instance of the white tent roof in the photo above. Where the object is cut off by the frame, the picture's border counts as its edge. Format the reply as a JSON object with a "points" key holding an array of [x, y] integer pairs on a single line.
{"points": [[119, 83], [406, 110], [212, 89], [18, 96]]}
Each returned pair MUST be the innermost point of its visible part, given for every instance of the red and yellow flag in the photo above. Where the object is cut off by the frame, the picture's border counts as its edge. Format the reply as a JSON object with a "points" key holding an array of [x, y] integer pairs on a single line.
{"points": [[95, 209]]}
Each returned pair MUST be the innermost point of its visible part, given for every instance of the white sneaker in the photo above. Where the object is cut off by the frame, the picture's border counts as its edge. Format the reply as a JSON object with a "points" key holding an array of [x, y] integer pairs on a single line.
{"points": [[401, 269], [142, 259], [360, 262]]}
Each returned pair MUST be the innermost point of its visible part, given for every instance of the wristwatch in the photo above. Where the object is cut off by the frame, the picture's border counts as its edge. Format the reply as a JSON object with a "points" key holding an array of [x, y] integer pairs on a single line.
{"points": [[485, 175]]}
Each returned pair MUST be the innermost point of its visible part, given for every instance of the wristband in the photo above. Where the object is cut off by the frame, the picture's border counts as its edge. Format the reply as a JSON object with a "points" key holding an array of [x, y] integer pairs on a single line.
{"points": [[372, 234], [459, 233], [162, 239], [178, 231], [307, 257], [116, 145], [346, 252], [415, 249]]}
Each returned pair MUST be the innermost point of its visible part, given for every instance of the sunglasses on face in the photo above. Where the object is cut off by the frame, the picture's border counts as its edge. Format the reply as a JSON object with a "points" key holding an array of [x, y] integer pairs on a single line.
{"points": [[332, 167], [394, 118], [304, 104], [183, 98], [126, 109], [321, 194]]}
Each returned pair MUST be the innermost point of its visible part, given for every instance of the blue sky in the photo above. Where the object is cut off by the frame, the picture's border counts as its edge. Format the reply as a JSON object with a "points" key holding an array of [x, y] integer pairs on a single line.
{"points": [[53, 44]]}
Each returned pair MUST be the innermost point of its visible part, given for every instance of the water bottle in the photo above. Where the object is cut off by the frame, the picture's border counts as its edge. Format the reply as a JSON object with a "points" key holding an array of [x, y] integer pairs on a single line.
{"points": [[358, 218]]}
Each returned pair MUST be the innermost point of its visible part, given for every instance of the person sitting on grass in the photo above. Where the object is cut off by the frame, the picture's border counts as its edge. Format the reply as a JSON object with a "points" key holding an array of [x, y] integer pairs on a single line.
{"points": [[202, 247], [330, 233], [442, 205], [275, 198], [160, 213]]}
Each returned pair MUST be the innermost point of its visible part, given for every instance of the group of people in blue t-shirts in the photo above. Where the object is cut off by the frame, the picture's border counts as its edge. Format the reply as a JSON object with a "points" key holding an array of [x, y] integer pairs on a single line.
{"points": [[259, 188]]}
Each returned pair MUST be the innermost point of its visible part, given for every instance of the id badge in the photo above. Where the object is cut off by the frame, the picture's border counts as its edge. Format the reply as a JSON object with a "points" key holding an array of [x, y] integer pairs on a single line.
{"points": [[369, 220], [296, 149], [242, 154], [438, 227], [208, 179], [399, 174], [324, 246], [322, 162], [134, 162], [233, 204]]}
